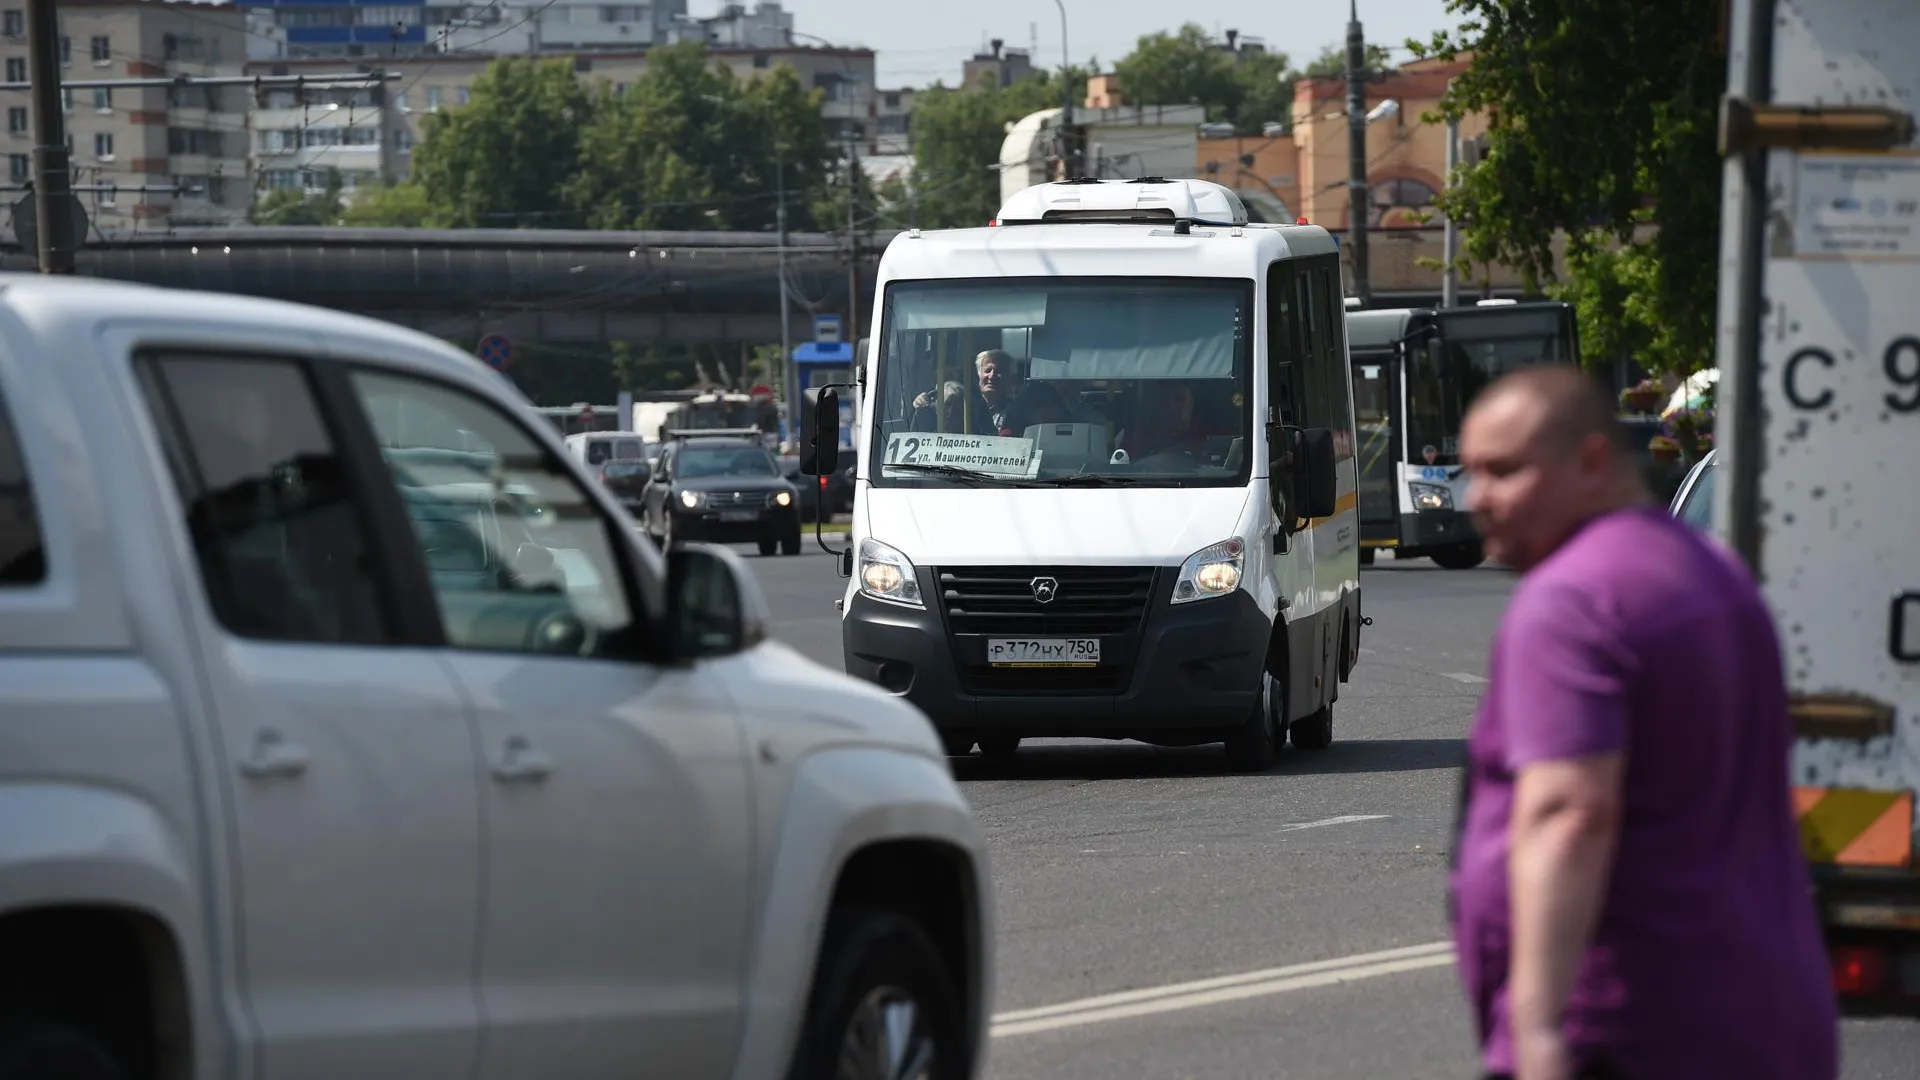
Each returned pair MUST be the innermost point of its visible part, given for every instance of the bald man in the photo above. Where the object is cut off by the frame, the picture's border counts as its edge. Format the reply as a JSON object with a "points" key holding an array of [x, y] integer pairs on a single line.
{"points": [[1628, 894]]}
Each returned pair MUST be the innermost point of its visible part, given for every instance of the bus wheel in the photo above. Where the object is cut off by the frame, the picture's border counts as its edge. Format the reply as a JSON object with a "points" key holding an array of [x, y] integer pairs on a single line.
{"points": [[1313, 732], [1459, 557]]}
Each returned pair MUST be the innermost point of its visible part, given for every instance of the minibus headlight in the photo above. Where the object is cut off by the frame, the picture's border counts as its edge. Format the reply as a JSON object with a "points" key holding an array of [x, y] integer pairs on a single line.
{"points": [[1212, 571], [885, 574]]}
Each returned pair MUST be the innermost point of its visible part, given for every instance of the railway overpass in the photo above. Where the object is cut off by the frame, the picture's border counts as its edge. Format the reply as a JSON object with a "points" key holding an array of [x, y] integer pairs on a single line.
{"points": [[551, 285], [578, 286]]}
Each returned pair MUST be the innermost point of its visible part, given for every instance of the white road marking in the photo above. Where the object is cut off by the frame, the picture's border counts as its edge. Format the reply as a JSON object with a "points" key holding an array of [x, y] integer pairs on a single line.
{"points": [[1463, 676], [1349, 818], [1221, 990]]}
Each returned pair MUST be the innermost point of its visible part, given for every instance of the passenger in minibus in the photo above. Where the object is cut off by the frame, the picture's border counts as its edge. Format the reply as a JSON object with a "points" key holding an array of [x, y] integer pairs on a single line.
{"points": [[998, 378], [1168, 424]]}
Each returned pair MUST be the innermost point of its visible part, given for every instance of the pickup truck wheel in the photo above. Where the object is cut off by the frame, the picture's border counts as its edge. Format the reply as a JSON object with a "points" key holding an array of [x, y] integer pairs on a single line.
{"points": [[790, 543], [36, 1049], [999, 746], [883, 1007], [767, 544]]}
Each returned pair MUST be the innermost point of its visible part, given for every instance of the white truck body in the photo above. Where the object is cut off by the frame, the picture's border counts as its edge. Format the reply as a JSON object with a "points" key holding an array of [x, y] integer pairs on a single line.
{"points": [[1819, 421]]}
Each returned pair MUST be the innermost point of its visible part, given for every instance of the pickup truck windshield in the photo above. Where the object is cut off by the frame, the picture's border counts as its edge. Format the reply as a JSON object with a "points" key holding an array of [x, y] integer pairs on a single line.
{"points": [[1035, 381]]}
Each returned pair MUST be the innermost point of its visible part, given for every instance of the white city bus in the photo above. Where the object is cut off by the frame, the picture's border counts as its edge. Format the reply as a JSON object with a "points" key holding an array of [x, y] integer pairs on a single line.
{"points": [[1157, 537]]}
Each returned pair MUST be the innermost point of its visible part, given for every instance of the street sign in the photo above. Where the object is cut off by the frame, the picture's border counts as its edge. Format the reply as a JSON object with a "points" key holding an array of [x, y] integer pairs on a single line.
{"points": [[26, 222], [761, 392], [496, 351], [826, 329]]}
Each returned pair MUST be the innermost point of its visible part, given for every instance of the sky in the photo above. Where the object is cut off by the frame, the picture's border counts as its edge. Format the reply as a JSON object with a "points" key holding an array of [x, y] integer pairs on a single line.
{"points": [[921, 41]]}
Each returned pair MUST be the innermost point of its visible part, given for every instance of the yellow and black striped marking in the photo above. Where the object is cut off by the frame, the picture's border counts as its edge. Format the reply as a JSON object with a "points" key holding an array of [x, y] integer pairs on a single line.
{"points": [[1848, 827]]}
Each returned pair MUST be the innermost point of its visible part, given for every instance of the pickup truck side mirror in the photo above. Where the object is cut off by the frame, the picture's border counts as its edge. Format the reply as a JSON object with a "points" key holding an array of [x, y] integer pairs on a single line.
{"points": [[534, 569], [714, 604], [819, 431]]}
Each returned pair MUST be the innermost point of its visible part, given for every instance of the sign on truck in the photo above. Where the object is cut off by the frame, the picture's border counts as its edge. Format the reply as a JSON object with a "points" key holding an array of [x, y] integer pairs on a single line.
{"points": [[1819, 420]]}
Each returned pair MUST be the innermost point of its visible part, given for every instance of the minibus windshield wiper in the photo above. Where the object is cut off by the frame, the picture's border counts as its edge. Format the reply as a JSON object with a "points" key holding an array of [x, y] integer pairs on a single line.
{"points": [[1084, 480], [954, 472]]}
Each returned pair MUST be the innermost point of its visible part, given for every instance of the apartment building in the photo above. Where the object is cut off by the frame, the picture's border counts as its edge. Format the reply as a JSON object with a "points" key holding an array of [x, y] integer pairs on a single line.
{"points": [[148, 157], [370, 29], [997, 67], [301, 136], [892, 115]]}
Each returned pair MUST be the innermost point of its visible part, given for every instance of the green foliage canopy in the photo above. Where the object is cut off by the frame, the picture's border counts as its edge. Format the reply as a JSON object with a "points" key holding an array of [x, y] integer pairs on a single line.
{"points": [[1603, 124], [686, 146]]}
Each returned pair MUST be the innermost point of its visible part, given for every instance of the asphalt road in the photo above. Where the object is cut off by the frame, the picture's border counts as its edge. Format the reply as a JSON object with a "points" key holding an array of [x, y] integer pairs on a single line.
{"points": [[1303, 896]]}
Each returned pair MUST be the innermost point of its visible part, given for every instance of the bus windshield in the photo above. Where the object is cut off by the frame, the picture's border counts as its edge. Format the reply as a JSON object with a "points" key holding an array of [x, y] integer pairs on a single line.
{"points": [[1478, 345], [1046, 381]]}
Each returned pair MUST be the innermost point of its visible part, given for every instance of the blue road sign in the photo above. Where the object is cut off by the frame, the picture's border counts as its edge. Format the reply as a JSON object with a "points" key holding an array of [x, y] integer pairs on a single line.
{"points": [[496, 351]]}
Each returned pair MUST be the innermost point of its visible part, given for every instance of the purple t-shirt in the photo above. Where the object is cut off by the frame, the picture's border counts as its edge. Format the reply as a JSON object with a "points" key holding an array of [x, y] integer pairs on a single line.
{"points": [[1640, 635]]}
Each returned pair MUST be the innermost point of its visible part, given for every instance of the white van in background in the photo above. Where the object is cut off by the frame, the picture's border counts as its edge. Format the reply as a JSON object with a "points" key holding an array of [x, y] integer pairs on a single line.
{"points": [[600, 447], [1106, 482]]}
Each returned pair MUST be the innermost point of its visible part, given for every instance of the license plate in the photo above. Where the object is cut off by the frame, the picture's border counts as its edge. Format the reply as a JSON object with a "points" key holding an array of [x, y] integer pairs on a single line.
{"points": [[1043, 652], [739, 515]]}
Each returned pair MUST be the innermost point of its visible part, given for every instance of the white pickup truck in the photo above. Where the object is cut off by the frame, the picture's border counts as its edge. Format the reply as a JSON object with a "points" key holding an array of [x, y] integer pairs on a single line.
{"points": [[348, 730]]}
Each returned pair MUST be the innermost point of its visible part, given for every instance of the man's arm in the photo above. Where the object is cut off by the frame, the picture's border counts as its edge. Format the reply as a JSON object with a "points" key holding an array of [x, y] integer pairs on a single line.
{"points": [[1565, 682], [1566, 819]]}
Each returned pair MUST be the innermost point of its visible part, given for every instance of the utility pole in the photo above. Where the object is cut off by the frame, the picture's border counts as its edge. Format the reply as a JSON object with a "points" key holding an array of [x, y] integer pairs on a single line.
{"points": [[52, 175], [913, 186], [1450, 242], [853, 243], [1357, 154], [1071, 164], [789, 384]]}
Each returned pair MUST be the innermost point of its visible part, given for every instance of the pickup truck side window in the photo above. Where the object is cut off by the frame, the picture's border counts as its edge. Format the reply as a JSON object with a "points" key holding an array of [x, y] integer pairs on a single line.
{"points": [[23, 559], [519, 557], [282, 546]]}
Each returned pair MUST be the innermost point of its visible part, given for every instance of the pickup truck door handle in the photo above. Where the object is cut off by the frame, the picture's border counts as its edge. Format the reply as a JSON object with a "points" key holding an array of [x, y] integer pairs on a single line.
{"points": [[273, 755], [519, 761]]}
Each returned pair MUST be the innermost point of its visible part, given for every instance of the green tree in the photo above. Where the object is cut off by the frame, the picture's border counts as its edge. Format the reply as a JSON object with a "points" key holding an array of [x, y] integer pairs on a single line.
{"points": [[291, 206], [1265, 82], [1181, 68], [956, 150], [688, 146], [957, 135], [1186, 68], [500, 161], [401, 206], [1332, 62], [1602, 122]]}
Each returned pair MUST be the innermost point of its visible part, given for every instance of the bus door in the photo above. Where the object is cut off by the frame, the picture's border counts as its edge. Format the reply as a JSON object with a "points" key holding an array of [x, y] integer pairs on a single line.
{"points": [[1376, 394]]}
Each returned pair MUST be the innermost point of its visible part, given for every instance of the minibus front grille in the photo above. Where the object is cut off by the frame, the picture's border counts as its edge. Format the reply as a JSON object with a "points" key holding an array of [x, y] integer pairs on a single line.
{"points": [[1082, 601]]}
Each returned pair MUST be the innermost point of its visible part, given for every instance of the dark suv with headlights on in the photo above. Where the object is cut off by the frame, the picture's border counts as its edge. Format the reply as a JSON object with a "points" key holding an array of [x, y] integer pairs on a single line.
{"points": [[721, 486]]}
